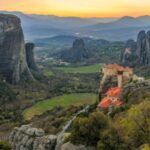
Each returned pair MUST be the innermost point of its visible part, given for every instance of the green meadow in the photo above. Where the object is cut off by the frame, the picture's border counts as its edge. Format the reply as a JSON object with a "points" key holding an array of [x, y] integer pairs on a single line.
{"points": [[65, 101], [82, 69]]}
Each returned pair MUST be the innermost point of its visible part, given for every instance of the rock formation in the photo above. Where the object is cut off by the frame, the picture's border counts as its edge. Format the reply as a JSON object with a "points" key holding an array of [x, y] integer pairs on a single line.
{"points": [[129, 53], [76, 53], [134, 93], [137, 55], [27, 138], [142, 48], [12, 49], [148, 48], [30, 56]]}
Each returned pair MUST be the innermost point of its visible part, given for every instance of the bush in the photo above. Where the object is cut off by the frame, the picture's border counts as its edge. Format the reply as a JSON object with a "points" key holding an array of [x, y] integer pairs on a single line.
{"points": [[134, 124], [87, 130], [6, 93], [110, 140], [5, 145]]}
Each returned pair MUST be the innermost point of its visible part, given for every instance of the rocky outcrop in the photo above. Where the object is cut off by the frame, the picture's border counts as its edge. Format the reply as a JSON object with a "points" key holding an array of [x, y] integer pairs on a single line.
{"points": [[148, 48], [30, 56], [129, 53], [28, 138], [142, 48], [137, 55], [136, 92], [76, 53], [12, 49]]}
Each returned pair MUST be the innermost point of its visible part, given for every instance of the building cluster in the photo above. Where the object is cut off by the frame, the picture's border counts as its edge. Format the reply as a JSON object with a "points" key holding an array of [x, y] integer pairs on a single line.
{"points": [[112, 96]]}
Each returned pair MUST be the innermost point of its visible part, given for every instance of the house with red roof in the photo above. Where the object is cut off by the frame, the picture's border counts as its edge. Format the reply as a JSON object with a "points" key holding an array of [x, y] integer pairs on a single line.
{"points": [[111, 98]]}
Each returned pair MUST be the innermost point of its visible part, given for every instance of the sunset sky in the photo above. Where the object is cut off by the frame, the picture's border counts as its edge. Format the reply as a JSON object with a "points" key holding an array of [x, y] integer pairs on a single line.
{"points": [[82, 8]]}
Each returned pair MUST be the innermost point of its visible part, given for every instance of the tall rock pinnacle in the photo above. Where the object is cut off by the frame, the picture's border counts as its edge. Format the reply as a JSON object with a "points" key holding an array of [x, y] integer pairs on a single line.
{"points": [[30, 56], [12, 49], [137, 53]]}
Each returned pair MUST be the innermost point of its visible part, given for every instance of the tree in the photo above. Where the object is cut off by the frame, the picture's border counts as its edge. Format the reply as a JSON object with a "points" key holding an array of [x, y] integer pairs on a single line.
{"points": [[87, 130], [134, 125], [110, 140], [5, 146]]}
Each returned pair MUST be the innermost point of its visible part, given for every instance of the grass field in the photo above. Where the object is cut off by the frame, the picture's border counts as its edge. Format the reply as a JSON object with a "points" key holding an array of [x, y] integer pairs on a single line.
{"points": [[83, 69], [48, 73], [63, 101]]}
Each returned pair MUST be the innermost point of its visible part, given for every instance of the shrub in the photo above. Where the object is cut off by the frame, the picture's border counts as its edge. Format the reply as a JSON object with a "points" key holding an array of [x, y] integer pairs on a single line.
{"points": [[87, 130], [5, 145]]}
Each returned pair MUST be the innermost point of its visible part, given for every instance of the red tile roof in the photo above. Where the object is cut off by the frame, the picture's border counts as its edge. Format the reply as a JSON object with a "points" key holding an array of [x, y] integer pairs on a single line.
{"points": [[114, 92], [106, 103]]}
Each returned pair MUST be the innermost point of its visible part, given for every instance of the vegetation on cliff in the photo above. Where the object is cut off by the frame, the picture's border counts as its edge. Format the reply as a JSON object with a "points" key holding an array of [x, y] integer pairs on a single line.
{"points": [[126, 130]]}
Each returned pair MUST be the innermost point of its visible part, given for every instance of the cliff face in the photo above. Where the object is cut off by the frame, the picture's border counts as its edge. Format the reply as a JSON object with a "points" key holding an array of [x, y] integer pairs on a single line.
{"points": [[12, 49], [137, 53], [142, 48], [28, 138], [30, 56], [76, 53], [134, 93], [129, 53]]}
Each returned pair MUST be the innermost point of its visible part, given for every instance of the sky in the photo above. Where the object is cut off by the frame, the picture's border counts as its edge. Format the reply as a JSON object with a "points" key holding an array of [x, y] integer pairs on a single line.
{"points": [[80, 8]]}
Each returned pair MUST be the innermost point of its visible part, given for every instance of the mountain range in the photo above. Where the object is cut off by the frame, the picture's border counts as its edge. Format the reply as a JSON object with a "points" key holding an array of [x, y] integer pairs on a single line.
{"points": [[113, 29]]}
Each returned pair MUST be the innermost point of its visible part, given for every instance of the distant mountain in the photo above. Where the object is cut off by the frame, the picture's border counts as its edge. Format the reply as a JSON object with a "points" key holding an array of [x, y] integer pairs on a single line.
{"points": [[123, 22], [41, 26], [121, 29], [45, 26], [59, 40]]}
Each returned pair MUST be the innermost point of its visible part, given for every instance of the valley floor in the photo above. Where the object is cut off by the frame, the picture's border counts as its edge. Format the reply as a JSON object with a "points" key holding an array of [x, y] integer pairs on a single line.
{"points": [[76, 99]]}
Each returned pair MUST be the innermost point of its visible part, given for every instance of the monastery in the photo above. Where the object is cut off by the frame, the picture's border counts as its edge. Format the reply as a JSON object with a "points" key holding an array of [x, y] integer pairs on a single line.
{"points": [[112, 96]]}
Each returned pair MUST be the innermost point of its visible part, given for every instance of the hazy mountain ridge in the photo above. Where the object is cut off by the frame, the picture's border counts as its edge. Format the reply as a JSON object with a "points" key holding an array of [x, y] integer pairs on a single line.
{"points": [[124, 22], [43, 26]]}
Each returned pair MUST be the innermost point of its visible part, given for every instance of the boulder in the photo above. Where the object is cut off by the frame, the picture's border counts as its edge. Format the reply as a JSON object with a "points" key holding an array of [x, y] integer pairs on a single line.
{"points": [[28, 138]]}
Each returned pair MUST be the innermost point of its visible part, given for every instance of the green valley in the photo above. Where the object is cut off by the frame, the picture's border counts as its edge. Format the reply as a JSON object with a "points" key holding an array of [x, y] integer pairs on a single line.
{"points": [[63, 101]]}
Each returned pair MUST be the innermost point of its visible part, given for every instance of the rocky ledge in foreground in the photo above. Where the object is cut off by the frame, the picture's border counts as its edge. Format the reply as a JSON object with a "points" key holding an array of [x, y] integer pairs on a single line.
{"points": [[28, 138]]}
